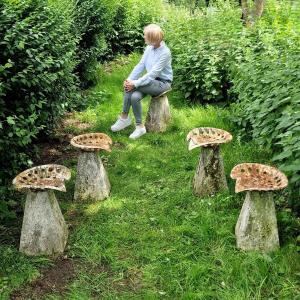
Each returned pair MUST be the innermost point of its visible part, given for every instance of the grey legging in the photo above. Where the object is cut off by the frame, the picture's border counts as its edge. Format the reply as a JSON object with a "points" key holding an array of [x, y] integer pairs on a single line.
{"points": [[133, 98]]}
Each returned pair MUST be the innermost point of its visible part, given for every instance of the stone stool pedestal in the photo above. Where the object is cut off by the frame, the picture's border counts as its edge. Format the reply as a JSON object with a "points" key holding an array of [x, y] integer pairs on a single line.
{"points": [[256, 228], [210, 176], [44, 230], [159, 114], [91, 180]]}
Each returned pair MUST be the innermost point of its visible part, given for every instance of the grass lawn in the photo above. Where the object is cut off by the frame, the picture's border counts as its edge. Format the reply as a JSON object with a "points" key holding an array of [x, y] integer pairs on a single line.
{"points": [[153, 239]]}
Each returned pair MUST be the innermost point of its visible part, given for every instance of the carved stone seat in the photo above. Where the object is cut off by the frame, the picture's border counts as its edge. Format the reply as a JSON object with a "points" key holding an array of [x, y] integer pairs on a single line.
{"points": [[44, 230], [210, 176], [91, 179], [256, 228], [159, 114]]}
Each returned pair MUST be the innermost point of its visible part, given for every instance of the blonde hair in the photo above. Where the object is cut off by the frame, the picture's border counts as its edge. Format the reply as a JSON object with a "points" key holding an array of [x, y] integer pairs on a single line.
{"points": [[153, 33]]}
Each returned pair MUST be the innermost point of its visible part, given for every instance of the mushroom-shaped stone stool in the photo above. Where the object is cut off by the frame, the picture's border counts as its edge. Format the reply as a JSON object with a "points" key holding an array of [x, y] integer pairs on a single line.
{"points": [[91, 179], [210, 175], [256, 228], [158, 115], [44, 230]]}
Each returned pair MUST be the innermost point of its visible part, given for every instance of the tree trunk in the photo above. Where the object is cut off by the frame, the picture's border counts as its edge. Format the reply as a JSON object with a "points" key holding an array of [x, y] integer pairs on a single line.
{"points": [[250, 16], [256, 228], [210, 176], [44, 230], [158, 114], [245, 11], [259, 7], [91, 179]]}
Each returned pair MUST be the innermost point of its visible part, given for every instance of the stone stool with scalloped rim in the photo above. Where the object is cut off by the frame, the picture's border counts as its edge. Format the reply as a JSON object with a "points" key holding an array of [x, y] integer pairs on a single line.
{"points": [[210, 176], [159, 114], [256, 228], [44, 230], [91, 179]]}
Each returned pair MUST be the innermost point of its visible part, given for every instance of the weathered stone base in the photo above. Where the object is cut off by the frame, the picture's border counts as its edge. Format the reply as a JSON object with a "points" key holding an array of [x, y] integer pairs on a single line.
{"points": [[44, 230], [256, 228], [158, 115], [91, 179], [210, 176]]}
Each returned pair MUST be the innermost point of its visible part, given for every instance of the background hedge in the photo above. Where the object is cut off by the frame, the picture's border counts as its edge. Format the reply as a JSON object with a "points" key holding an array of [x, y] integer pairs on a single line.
{"points": [[49, 50], [37, 83]]}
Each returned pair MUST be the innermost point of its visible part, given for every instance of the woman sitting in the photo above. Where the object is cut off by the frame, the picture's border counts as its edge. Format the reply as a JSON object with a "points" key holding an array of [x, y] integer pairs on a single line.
{"points": [[157, 61]]}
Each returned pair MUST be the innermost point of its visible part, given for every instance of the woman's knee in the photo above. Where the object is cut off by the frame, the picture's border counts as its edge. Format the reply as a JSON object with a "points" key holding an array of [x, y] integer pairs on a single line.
{"points": [[135, 97]]}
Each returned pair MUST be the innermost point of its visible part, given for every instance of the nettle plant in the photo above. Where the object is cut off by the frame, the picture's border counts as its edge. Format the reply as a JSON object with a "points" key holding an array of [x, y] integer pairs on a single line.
{"points": [[203, 47], [266, 81], [269, 107]]}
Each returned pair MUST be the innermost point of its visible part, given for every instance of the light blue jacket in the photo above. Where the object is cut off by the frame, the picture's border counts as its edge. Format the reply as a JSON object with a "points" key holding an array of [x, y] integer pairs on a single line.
{"points": [[157, 62]]}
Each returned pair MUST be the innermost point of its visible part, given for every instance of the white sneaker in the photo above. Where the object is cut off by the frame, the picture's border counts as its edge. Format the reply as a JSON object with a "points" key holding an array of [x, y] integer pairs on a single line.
{"points": [[139, 131], [120, 124]]}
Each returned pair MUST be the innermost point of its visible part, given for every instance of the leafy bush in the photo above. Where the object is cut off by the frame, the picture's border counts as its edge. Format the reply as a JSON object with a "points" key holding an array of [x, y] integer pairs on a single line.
{"points": [[118, 36], [191, 4], [266, 83], [91, 24], [36, 81], [130, 19], [141, 13], [202, 47]]}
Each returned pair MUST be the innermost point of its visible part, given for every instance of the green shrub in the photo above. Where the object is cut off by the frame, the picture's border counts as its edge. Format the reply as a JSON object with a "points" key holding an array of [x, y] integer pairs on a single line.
{"points": [[117, 38], [266, 83], [141, 13], [36, 81], [92, 22], [126, 34], [202, 47], [130, 18], [191, 4]]}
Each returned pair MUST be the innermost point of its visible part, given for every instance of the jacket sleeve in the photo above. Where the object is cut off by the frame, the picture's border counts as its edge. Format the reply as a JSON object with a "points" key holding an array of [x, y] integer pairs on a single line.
{"points": [[139, 68], [155, 71]]}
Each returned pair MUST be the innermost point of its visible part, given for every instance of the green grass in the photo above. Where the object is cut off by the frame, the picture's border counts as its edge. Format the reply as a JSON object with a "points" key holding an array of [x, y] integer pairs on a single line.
{"points": [[153, 239]]}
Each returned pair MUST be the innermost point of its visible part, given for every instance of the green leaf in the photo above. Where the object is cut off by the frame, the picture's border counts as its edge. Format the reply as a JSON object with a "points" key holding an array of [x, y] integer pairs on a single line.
{"points": [[21, 45], [8, 65], [10, 120], [282, 155]]}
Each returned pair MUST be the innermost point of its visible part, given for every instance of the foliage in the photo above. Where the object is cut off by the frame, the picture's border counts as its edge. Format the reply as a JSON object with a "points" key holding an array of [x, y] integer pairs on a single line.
{"points": [[266, 83], [191, 4], [202, 50], [91, 23], [130, 17], [36, 80]]}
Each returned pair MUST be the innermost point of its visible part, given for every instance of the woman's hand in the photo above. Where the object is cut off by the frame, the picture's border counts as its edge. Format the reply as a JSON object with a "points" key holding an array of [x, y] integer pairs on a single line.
{"points": [[128, 85]]}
